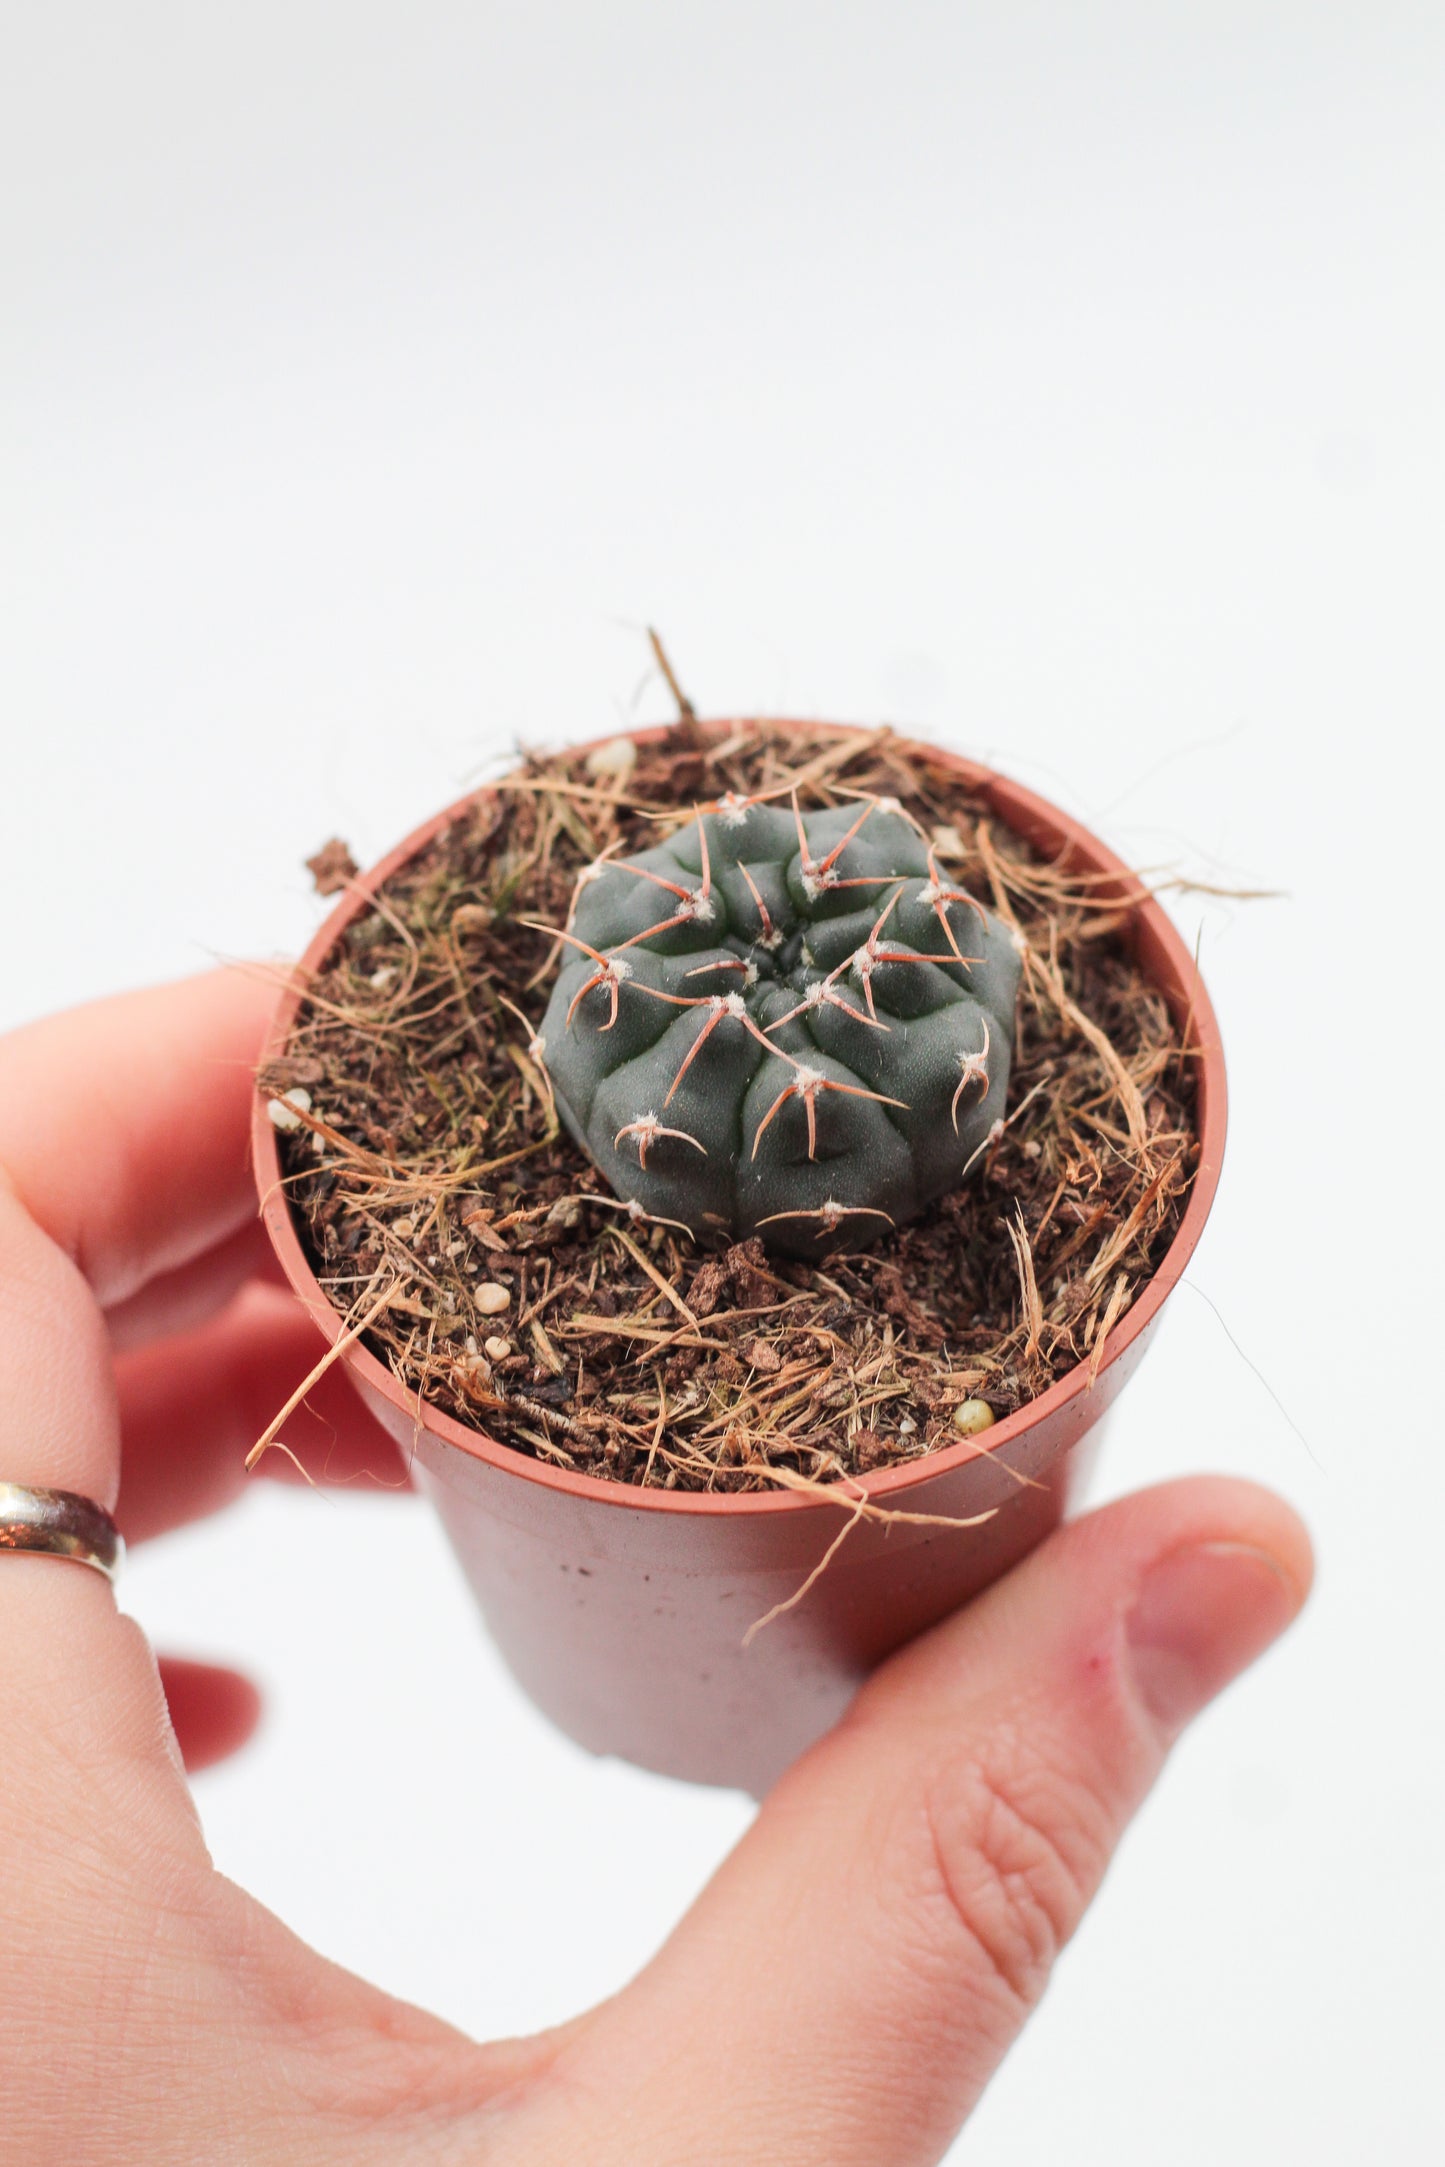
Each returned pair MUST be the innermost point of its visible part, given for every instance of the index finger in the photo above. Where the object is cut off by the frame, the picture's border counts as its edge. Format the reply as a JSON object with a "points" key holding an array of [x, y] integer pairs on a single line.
{"points": [[124, 1124]]}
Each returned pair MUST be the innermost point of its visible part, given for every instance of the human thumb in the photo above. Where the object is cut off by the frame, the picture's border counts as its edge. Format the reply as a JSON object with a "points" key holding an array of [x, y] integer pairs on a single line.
{"points": [[858, 1967]]}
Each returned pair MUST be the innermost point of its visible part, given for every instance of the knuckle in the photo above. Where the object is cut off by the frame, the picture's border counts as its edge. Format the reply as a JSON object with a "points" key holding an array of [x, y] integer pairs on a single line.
{"points": [[1011, 1850]]}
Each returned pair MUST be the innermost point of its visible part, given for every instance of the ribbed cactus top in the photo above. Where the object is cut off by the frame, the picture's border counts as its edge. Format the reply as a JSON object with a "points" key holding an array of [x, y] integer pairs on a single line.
{"points": [[782, 1022]]}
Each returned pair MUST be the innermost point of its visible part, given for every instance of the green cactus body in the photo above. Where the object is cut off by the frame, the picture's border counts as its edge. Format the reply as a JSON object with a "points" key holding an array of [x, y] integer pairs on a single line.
{"points": [[783, 1023]]}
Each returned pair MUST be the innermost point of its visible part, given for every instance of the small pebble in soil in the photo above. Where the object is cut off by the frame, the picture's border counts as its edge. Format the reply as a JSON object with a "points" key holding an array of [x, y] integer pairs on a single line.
{"points": [[404, 1227], [497, 1349], [471, 920], [286, 1111], [971, 1416], [492, 1299], [618, 757]]}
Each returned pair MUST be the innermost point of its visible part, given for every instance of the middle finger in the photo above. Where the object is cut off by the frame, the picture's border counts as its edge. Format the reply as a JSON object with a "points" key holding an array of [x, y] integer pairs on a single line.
{"points": [[178, 1301], [193, 1405]]}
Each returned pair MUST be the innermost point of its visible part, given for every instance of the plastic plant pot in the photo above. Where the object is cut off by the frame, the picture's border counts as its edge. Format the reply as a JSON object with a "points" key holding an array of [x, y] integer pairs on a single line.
{"points": [[624, 1612]]}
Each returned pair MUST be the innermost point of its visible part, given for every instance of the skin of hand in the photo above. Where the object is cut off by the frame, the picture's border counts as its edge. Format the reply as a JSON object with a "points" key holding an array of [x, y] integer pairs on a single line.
{"points": [[915, 1874]]}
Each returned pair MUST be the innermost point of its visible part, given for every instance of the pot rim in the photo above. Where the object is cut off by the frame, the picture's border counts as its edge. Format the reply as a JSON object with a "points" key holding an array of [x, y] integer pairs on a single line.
{"points": [[1025, 811]]}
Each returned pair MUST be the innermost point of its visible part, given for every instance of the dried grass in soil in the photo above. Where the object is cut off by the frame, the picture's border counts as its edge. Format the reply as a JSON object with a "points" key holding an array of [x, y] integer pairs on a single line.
{"points": [[430, 1176]]}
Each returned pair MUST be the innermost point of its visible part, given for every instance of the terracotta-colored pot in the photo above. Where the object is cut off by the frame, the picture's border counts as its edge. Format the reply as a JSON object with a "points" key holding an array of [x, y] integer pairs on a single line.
{"points": [[623, 1611]]}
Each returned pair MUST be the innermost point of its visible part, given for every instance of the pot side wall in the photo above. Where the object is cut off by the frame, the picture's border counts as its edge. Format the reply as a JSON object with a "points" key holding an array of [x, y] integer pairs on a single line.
{"points": [[631, 1631]]}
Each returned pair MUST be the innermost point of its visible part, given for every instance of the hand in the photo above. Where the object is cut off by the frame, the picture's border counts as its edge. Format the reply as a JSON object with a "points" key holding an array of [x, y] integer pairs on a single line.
{"points": [[843, 1989]]}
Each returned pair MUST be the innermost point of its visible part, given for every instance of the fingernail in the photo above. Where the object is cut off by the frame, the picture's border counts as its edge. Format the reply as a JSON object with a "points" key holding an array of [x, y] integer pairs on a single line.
{"points": [[1203, 1615]]}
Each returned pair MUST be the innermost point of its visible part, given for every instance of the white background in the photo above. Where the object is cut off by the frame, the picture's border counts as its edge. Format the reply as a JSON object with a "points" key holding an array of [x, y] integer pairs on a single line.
{"points": [[1064, 381]]}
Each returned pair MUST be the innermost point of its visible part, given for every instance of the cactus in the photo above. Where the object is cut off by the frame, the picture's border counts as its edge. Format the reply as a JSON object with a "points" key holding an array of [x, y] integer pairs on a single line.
{"points": [[782, 1023]]}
